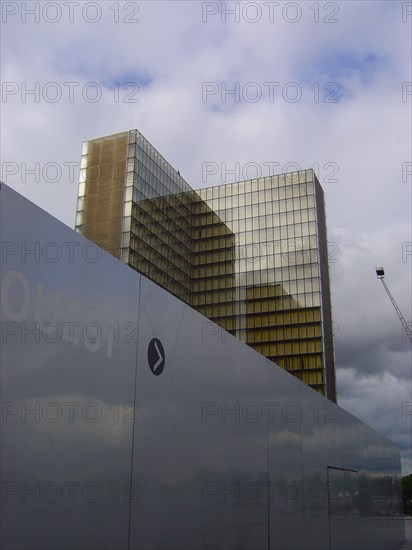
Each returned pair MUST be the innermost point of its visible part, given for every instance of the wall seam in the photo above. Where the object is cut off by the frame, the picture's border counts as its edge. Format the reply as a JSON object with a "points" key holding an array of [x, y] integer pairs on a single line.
{"points": [[134, 411]]}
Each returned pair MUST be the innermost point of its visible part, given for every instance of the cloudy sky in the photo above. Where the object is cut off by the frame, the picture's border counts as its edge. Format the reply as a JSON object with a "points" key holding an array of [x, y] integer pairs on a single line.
{"points": [[228, 90]]}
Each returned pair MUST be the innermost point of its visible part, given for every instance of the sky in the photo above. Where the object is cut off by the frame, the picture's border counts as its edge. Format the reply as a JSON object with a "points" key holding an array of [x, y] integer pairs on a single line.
{"points": [[229, 91]]}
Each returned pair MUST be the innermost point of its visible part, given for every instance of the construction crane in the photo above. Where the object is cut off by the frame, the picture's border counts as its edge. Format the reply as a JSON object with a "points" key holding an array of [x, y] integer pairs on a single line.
{"points": [[380, 273]]}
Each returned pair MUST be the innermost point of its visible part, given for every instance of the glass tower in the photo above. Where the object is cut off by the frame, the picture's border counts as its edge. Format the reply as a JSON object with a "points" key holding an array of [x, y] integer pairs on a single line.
{"points": [[251, 255]]}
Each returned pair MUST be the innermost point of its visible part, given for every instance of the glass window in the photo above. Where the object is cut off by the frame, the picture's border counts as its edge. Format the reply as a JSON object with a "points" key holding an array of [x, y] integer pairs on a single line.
{"points": [[241, 200], [84, 162], [312, 228], [222, 191], [282, 219]]}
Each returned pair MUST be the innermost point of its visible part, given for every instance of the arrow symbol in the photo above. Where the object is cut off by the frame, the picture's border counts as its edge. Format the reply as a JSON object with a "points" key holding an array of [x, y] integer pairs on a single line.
{"points": [[156, 356], [161, 358]]}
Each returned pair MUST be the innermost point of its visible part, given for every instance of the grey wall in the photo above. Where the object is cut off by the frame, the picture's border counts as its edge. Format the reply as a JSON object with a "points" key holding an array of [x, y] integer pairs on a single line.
{"points": [[221, 450]]}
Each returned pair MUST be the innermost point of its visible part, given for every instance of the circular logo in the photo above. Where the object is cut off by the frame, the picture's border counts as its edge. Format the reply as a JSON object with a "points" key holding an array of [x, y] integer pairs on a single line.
{"points": [[156, 356]]}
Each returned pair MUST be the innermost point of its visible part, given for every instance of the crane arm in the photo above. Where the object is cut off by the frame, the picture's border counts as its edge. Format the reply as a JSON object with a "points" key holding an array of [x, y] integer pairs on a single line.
{"points": [[398, 311]]}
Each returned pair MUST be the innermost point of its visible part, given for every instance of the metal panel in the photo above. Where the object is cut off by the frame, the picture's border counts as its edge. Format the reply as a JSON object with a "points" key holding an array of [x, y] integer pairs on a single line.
{"points": [[185, 439], [69, 324], [286, 509], [200, 461], [333, 438], [343, 503]]}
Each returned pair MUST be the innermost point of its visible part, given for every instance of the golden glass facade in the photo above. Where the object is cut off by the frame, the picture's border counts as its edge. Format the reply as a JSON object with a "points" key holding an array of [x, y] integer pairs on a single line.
{"points": [[281, 296], [251, 256], [100, 210]]}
